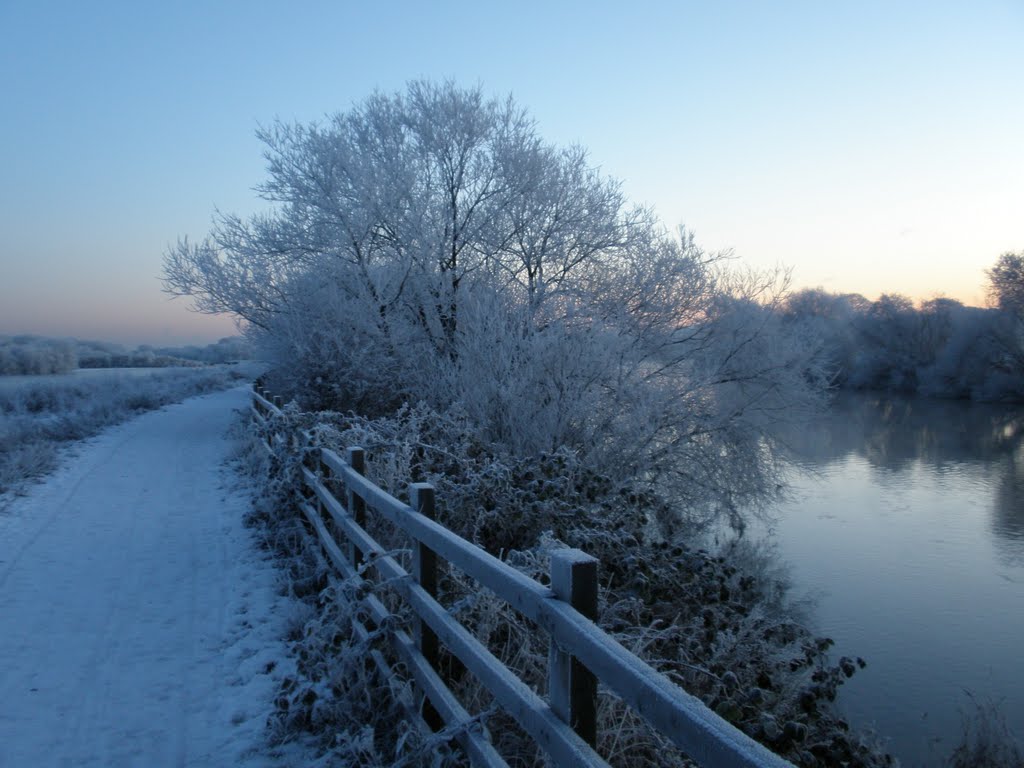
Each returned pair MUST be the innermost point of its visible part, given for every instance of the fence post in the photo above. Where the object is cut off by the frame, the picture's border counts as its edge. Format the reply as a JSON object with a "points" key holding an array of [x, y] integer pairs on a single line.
{"points": [[424, 571], [572, 687], [278, 402], [306, 449], [356, 458], [272, 438]]}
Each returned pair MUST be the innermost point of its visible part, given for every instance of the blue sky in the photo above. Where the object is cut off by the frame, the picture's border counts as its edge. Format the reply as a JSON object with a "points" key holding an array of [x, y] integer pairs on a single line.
{"points": [[871, 146]]}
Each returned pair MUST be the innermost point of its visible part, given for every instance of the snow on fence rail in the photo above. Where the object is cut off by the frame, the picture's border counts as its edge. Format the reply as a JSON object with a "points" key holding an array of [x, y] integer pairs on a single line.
{"points": [[565, 726]]}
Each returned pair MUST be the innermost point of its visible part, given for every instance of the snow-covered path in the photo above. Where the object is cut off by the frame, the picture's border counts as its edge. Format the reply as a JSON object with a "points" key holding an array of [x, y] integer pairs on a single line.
{"points": [[139, 624]]}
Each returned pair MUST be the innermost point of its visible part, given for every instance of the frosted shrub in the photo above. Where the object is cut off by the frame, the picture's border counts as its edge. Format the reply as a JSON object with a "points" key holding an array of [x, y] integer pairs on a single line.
{"points": [[429, 246]]}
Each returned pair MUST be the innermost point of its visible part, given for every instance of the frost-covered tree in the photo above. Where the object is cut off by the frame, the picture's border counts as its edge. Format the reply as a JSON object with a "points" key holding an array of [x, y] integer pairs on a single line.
{"points": [[430, 246], [1006, 291], [1006, 282]]}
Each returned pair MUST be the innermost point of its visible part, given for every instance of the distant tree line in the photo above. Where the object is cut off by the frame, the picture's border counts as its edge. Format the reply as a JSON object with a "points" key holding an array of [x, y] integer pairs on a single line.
{"points": [[35, 355], [227, 350], [937, 347]]}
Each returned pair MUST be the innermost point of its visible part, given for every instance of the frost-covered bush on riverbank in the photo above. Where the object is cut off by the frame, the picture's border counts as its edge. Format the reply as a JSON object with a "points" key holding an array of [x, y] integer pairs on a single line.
{"points": [[429, 246], [38, 417]]}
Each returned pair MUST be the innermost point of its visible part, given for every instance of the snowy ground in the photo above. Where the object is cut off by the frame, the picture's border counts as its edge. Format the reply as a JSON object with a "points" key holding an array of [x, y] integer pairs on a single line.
{"points": [[139, 623]]}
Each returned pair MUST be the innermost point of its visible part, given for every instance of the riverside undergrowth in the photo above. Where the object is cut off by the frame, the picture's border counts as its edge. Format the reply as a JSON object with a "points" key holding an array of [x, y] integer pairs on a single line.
{"points": [[719, 624]]}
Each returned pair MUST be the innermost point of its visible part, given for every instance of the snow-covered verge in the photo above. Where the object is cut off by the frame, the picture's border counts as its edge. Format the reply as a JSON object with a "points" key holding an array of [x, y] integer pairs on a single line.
{"points": [[719, 624], [142, 624], [38, 418]]}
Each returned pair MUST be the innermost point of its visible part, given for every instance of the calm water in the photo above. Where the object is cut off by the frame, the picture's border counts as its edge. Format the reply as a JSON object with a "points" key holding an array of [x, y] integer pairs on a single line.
{"points": [[910, 534]]}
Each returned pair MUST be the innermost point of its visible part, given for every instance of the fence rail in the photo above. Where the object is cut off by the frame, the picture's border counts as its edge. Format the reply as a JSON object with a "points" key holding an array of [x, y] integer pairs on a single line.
{"points": [[581, 654]]}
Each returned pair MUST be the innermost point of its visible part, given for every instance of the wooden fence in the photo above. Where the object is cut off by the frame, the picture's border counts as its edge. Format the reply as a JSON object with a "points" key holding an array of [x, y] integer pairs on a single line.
{"points": [[581, 654]]}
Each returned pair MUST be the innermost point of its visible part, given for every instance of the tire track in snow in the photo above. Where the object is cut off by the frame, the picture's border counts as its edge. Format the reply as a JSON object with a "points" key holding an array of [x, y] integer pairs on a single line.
{"points": [[96, 460]]}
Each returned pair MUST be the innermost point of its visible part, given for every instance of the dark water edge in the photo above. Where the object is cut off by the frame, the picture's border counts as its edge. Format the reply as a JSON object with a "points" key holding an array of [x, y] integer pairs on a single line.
{"points": [[906, 527]]}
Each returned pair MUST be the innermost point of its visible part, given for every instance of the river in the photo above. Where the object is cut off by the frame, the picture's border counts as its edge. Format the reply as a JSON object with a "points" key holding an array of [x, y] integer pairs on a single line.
{"points": [[907, 529]]}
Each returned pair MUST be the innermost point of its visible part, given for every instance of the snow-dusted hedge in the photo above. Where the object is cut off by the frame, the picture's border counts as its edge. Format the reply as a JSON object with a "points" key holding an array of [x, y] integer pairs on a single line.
{"points": [[38, 417]]}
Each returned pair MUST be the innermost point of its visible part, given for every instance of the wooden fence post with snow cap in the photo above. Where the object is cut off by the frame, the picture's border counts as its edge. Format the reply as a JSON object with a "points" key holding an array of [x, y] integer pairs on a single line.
{"points": [[424, 571], [356, 458], [278, 402], [324, 473], [572, 688]]}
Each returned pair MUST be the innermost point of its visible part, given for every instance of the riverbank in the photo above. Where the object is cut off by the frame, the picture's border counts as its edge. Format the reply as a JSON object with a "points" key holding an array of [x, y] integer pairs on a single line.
{"points": [[716, 622]]}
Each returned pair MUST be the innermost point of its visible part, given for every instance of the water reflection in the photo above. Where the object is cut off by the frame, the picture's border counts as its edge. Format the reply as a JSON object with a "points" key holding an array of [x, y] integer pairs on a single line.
{"points": [[909, 526], [1008, 510], [893, 432], [897, 435]]}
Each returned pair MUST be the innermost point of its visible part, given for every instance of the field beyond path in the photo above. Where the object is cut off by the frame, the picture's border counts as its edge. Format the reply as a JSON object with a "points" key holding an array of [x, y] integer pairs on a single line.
{"points": [[139, 622]]}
